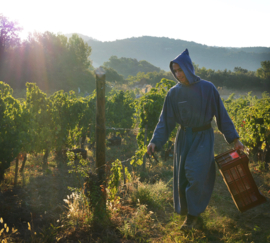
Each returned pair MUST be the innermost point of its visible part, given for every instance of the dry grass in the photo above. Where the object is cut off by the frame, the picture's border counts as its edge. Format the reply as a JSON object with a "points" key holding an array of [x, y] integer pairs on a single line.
{"points": [[143, 213]]}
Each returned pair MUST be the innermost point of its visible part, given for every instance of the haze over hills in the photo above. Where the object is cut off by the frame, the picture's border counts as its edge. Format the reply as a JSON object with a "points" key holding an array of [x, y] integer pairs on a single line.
{"points": [[161, 50]]}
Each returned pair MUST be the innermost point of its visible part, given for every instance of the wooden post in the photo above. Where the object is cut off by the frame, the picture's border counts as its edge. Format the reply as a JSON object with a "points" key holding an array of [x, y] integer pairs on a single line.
{"points": [[45, 159], [145, 141], [23, 163], [100, 130], [16, 170], [124, 174]]}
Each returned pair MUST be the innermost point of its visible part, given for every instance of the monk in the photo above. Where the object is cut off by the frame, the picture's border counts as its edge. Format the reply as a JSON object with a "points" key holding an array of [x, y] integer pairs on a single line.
{"points": [[192, 103]]}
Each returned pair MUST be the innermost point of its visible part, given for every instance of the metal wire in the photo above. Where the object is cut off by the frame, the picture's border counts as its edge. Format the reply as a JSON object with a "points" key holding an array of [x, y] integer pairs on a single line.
{"points": [[121, 128], [122, 162]]}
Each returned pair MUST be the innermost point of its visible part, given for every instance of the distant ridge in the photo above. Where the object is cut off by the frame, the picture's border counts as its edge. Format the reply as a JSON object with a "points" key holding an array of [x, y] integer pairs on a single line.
{"points": [[161, 50], [84, 37]]}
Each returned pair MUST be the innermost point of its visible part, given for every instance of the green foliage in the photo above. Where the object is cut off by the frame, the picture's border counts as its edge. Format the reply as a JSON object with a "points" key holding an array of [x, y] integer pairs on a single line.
{"points": [[119, 109], [11, 121], [138, 156], [87, 121], [79, 168], [148, 109], [78, 54], [5, 89], [233, 80], [90, 195], [129, 66], [112, 75], [57, 121], [51, 61], [116, 175], [264, 71], [151, 78], [152, 196], [262, 166], [41, 127], [8, 35], [240, 70], [66, 113], [252, 120], [41, 124], [237, 79], [138, 226]]}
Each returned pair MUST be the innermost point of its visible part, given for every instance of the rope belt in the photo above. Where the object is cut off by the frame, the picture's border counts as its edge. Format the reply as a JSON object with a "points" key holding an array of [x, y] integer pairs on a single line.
{"points": [[197, 129]]}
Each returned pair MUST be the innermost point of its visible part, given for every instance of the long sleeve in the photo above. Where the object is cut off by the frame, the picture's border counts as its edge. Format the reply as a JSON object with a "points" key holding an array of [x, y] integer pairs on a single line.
{"points": [[165, 125], [224, 122]]}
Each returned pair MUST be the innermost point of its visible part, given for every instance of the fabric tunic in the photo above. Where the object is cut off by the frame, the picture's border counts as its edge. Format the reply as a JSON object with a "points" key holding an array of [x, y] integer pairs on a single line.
{"points": [[192, 106]]}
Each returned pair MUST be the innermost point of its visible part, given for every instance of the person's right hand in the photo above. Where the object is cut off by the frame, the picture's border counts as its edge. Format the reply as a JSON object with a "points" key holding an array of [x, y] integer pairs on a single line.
{"points": [[151, 148], [238, 144]]}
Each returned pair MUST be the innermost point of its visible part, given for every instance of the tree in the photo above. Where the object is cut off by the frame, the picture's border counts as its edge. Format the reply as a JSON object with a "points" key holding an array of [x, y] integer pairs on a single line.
{"points": [[264, 71], [79, 52], [52, 61], [130, 66], [8, 35], [112, 75], [240, 70], [151, 78]]}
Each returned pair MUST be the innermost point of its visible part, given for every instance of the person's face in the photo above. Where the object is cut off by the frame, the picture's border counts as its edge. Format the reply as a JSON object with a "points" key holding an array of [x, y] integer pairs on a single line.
{"points": [[179, 73]]}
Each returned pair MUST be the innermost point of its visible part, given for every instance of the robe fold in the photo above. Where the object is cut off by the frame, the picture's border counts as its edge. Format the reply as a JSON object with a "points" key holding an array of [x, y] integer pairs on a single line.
{"points": [[190, 106]]}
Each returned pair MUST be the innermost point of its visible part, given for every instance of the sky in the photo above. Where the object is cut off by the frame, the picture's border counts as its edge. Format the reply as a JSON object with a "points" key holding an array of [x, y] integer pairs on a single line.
{"points": [[224, 23]]}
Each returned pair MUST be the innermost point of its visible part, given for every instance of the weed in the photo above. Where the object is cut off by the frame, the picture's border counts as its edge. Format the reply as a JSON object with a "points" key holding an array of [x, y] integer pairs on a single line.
{"points": [[153, 195], [262, 166], [49, 234], [138, 226], [78, 208], [6, 235]]}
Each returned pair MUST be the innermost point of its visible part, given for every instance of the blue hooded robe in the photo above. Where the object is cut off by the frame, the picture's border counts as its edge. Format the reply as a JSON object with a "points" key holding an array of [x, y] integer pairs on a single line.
{"points": [[192, 106]]}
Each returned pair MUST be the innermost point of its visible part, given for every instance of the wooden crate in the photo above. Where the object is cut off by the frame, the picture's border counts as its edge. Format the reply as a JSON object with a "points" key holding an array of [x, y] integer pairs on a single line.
{"points": [[233, 166]]}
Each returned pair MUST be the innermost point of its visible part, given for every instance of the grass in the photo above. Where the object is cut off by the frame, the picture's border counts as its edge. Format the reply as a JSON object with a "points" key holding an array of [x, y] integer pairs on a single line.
{"points": [[143, 211], [155, 196]]}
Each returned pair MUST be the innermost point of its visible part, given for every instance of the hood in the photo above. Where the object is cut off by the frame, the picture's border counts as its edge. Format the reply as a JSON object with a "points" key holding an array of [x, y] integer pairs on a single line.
{"points": [[184, 61]]}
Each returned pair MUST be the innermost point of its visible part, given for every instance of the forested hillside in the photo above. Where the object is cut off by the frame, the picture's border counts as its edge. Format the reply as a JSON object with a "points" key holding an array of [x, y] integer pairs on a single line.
{"points": [[160, 51], [65, 62], [130, 66], [140, 75]]}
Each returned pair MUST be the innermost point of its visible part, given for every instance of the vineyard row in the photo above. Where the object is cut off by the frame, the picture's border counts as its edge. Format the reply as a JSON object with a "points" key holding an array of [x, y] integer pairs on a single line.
{"points": [[40, 124]]}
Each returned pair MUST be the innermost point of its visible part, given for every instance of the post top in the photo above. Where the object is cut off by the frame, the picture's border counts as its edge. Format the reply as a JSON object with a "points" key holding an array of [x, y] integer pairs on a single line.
{"points": [[100, 71]]}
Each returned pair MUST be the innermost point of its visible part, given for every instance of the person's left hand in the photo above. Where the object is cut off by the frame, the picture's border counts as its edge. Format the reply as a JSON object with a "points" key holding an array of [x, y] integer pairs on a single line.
{"points": [[238, 144]]}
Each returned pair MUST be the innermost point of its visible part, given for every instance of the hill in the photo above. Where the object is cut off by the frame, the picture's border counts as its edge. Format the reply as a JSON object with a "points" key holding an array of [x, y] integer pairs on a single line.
{"points": [[159, 51], [84, 37], [129, 66]]}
